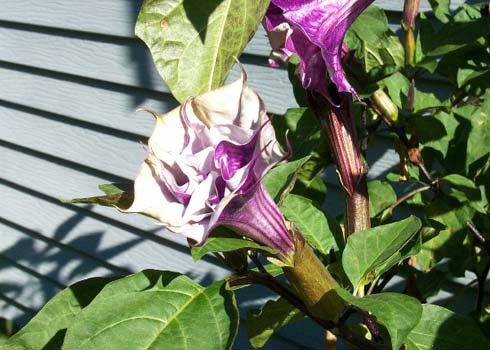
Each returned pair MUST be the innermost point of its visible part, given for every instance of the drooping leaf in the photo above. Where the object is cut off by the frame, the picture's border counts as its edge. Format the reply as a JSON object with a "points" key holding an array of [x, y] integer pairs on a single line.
{"points": [[282, 178], [226, 244], [399, 313], [275, 314], [118, 200], [156, 309], [381, 196], [48, 328], [371, 252], [440, 328], [320, 230], [194, 43]]}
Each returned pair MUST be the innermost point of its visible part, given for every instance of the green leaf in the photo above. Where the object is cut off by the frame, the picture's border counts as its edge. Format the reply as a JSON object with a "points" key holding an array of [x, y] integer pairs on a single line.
{"points": [[118, 200], [374, 41], [440, 328], [275, 314], [303, 131], [226, 244], [381, 196], [452, 241], [320, 230], [281, 179], [453, 36], [398, 87], [156, 309], [397, 312], [441, 9], [478, 117], [194, 43], [114, 188], [371, 252], [465, 190], [47, 329], [441, 138]]}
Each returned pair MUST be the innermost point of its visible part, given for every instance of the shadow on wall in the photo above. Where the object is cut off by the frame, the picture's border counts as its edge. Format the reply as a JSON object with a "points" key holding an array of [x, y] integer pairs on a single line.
{"points": [[41, 262]]}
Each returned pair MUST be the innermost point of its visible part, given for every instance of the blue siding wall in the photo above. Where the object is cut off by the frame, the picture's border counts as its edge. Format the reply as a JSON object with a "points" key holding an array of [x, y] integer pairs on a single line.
{"points": [[72, 76]]}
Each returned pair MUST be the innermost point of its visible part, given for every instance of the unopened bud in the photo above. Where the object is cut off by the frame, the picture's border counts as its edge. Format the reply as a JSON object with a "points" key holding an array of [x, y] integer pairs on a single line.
{"points": [[385, 105]]}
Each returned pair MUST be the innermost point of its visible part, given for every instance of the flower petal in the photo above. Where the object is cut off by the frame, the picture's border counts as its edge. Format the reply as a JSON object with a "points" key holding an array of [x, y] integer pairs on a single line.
{"points": [[319, 27], [168, 136]]}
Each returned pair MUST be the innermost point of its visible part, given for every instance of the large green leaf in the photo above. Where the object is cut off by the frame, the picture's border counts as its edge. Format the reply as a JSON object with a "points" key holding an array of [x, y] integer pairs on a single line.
{"points": [[397, 312], [226, 244], [157, 310], [320, 230], [275, 314], [371, 252], [195, 43], [442, 329], [47, 329]]}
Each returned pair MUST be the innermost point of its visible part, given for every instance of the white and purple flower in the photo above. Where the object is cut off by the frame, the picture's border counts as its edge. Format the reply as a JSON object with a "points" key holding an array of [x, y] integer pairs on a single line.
{"points": [[313, 30], [205, 165]]}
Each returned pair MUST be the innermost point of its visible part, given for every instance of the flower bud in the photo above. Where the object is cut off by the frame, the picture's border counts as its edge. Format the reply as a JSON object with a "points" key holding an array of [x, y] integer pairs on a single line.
{"points": [[385, 105], [410, 12]]}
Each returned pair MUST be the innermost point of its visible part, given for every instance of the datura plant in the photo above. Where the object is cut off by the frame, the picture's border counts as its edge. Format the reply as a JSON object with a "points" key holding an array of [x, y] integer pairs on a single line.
{"points": [[248, 188]]}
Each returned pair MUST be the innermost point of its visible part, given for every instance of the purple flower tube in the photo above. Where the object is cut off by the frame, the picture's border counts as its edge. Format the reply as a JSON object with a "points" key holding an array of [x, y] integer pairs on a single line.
{"points": [[313, 30]]}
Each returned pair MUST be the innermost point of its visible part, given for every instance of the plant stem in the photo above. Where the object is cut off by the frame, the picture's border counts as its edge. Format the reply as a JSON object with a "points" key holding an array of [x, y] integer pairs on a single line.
{"points": [[313, 283], [335, 117], [283, 291], [357, 217]]}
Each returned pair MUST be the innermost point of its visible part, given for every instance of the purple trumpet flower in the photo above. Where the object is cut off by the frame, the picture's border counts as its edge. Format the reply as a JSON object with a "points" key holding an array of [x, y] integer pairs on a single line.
{"points": [[205, 167], [313, 30]]}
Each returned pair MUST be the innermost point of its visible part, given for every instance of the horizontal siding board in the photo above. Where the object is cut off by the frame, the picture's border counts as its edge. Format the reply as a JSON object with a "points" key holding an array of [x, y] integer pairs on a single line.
{"points": [[110, 17], [110, 106], [39, 183], [126, 63], [26, 289], [108, 245], [80, 145]]}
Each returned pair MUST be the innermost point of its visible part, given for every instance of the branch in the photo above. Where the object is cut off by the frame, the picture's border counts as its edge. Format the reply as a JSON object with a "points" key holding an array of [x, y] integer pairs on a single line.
{"points": [[479, 236], [283, 291], [408, 196]]}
